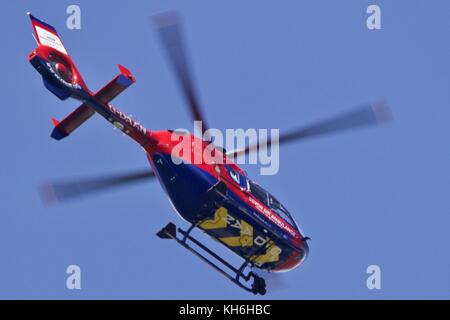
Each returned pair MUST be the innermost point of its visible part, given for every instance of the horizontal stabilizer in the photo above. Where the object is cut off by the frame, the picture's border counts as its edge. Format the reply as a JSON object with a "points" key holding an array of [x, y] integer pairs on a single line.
{"points": [[106, 94], [115, 87], [71, 122]]}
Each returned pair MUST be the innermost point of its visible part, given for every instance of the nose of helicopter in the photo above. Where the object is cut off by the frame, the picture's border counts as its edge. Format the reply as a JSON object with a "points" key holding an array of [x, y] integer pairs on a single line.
{"points": [[295, 259]]}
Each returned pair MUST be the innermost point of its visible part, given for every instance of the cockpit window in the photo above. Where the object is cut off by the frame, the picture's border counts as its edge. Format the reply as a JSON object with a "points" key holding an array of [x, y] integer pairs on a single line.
{"points": [[276, 206], [259, 193], [270, 201], [237, 177]]}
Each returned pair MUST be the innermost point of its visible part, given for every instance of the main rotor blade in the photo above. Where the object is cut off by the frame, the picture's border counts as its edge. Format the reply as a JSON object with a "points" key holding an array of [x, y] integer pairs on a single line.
{"points": [[66, 190], [359, 117], [170, 34]]}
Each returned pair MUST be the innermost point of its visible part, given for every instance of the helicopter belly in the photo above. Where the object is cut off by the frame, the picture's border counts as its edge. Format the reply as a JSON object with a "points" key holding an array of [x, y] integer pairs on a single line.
{"points": [[232, 221], [186, 186]]}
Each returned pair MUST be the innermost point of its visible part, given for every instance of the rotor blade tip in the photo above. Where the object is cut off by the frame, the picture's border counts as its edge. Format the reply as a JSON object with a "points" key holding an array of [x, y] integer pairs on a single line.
{"points": [[382, 112], [165, 19], [48, 194]]}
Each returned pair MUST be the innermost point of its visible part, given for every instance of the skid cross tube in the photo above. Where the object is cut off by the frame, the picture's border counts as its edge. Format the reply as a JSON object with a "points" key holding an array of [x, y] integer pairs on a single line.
{"points": [[258, 286]]}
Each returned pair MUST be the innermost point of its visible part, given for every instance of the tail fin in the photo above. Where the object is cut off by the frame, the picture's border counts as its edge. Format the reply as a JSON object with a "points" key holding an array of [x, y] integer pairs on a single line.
{"points": [[62, 78], [54, 63]]}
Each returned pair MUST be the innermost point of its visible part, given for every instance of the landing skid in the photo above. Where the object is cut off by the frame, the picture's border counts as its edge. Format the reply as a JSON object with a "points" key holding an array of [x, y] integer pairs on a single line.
{"points": [[235, 275]]}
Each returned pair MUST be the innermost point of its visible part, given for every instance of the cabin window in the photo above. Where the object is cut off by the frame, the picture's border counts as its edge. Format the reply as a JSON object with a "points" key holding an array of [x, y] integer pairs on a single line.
{"points": [[237, 177], [259, 193], [270, 201], [276, 206]]}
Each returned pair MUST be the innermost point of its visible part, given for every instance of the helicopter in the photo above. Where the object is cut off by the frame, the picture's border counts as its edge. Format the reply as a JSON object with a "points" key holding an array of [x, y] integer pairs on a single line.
{"points": [[217, 197]]}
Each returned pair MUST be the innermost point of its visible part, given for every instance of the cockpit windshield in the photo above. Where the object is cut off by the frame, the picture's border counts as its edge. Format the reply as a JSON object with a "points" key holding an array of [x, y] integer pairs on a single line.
{"points": [[270, 201], [276, 206], [259, 193]]}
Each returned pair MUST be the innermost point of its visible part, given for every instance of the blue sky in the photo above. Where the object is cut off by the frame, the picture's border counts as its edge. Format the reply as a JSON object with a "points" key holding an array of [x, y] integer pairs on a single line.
{"points": [[373, 196]]}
